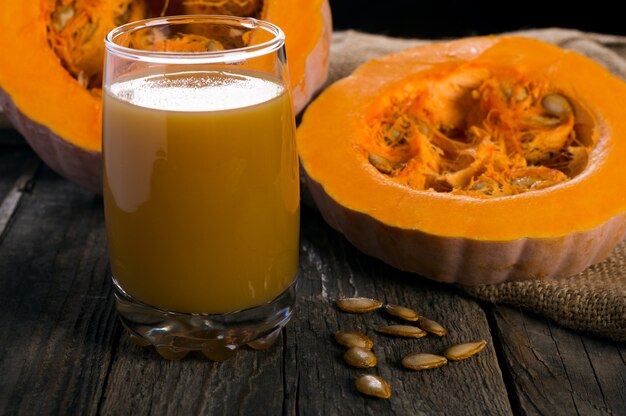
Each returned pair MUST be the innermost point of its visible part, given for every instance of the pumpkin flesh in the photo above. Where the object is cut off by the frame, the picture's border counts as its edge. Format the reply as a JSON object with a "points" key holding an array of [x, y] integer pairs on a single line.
{"points": [[55, 50], [456, 233], [479, 132]]}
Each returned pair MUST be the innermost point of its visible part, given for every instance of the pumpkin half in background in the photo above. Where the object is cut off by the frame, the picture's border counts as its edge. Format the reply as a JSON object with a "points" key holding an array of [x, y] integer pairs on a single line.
{"points": [[475, 161], [51, 76]]}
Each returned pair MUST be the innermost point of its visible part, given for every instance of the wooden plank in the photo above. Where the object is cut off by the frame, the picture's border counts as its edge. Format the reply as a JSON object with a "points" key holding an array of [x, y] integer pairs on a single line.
{"points": [[332, 268], [18, 165], [142, 383], [58, 326], [13, 196], [12, 165], [11, 138], [557, 371], [304, 373]]}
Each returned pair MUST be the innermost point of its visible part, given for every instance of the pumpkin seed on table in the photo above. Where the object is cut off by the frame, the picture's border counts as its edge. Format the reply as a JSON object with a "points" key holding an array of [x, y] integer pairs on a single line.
{"points": [[402, 312], [358, 305], [423, 361], [432, 327], [372, 385], [465, 350], [405, 331], [351, 339], [360, 358]]}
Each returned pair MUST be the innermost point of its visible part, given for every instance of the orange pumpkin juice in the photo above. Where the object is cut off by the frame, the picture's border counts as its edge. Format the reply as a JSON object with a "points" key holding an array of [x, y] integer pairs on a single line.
{"points": [[201, 190]]}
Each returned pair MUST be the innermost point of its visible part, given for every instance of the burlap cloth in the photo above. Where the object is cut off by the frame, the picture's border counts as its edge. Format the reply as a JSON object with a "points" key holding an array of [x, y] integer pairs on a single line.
{"points": [[593, 301]]}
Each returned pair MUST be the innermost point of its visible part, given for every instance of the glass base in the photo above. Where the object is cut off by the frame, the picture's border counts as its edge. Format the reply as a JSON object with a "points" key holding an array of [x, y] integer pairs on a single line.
{"points": [[217, 336]]}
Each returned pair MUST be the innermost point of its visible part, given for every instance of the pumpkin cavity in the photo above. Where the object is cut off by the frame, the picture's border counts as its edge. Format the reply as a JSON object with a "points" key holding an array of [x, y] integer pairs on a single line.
{"points": [[477, 131], [76, 29]]}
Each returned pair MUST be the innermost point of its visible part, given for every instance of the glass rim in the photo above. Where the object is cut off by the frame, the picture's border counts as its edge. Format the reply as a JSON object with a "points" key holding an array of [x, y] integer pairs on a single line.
{"points": [[208, 57]]}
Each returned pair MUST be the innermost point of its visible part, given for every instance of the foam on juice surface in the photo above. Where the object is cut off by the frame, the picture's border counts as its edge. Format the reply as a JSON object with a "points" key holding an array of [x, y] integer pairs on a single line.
{"points": [[196, 91]]}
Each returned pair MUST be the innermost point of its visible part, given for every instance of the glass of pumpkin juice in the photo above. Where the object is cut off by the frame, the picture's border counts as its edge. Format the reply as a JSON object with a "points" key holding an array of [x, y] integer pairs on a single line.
{"points": [[201, 187]]}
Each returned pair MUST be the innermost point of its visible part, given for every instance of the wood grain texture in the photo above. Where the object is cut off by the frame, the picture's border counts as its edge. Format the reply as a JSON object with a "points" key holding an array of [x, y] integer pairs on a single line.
{"points": [[556, 371], [304, 372], [14, 162], [10, 137], [332, 268], [12, 198], [55, 301], [63, 351], [141, 382]]}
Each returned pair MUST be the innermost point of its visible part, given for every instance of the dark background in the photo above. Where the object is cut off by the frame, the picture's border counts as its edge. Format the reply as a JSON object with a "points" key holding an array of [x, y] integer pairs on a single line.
{"points": [[439, 19]]}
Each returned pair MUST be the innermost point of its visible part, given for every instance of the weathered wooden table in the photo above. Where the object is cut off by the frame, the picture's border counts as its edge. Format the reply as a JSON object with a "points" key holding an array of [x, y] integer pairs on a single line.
{"points": [[64, 352]]}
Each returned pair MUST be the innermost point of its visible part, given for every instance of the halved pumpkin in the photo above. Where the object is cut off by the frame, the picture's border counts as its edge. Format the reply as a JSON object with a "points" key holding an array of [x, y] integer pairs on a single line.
{"points": [[53, 53], [475, 161]]}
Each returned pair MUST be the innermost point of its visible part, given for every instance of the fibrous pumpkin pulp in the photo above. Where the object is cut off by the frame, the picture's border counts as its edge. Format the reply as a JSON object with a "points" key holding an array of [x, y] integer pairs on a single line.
{"points": [[474, 161]]}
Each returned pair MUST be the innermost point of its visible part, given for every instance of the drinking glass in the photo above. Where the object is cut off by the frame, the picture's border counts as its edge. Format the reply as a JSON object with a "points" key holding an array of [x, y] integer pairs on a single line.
{"points": [[201, 188]]}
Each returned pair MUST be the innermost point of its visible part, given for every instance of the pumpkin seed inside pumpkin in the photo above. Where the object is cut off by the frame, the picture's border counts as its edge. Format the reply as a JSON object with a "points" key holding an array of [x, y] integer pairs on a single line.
{"points": [[491, 143], [383, 165], [556, 104]]}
